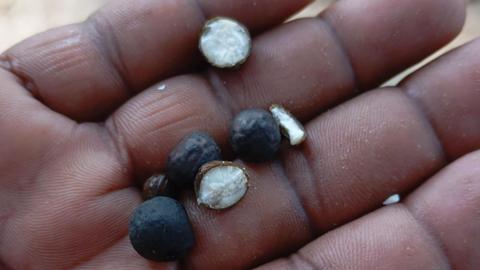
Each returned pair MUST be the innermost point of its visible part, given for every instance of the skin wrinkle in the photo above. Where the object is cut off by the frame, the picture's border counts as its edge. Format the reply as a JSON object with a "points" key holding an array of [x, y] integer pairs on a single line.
{"points": [[115, 139], [91, 257], [9, 63], [299, 258], [431, 233], [403, 244], [452, 106], [221, 93], [201, 11], [449, 191], [4, 63], [422, 110], [123, 152], [100, 31], [309, 179], [356, 85], [279, 170]]}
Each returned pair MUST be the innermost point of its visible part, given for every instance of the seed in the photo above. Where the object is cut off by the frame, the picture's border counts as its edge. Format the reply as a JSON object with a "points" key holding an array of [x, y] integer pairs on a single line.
{"points": [[157, 185], [225, 43], [255, 135], [221, 184], [291, 128], [160, 230], [392, 200], [188, 156]]}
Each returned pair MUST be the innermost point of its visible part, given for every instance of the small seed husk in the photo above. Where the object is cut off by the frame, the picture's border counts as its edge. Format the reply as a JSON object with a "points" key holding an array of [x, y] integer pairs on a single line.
{"points": [[392, 200], [291, 128], [157, 185], [225, 42], [214, 194]]}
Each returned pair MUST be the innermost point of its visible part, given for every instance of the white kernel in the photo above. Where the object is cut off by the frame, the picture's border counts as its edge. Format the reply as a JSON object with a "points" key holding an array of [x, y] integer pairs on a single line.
{"points": [[221, 186], [225, 43]]}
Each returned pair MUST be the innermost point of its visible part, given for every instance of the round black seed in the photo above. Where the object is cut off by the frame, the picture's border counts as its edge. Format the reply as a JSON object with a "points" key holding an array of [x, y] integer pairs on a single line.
{"points": [[255, 135], [188, 156], [160, 230], [158, 185]]}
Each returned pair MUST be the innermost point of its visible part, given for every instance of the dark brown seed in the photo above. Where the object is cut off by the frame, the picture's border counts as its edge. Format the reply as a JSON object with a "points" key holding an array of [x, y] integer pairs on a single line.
{"points": [[158, 185]]}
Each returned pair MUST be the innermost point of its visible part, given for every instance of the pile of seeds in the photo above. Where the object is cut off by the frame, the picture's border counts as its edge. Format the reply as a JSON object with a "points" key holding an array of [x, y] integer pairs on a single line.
{"points": [[160, 229]]}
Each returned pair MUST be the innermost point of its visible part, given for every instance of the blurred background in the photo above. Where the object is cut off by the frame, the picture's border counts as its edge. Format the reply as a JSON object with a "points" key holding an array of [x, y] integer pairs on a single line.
{"points": [[22, 18]]}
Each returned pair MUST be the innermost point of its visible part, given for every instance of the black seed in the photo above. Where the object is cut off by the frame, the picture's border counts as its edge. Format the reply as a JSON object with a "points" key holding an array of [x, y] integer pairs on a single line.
{"points": [[255, 135], [160, 230], [188, 156], [158, 185]]}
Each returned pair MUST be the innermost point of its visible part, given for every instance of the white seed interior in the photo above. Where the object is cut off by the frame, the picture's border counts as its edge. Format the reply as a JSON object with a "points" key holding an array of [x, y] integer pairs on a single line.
{"points": [[225, 42], [291, 126], [392, 200], [222, 187]]}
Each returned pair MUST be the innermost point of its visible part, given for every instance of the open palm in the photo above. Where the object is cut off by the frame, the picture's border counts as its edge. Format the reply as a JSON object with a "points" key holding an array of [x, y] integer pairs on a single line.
{"points": [[88, 111]]}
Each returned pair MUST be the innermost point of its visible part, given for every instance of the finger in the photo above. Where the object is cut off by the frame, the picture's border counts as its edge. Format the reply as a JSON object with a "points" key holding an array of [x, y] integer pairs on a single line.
{"points": [[436, 228], [386, 239], [391, 47], [85, 70], [313, 64], [448, 206], [21, 117], [296, 75], [450, 95]]}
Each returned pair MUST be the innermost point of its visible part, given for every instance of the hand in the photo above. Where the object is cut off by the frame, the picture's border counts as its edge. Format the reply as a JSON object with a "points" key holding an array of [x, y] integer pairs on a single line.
{"points": [[82, 121]]}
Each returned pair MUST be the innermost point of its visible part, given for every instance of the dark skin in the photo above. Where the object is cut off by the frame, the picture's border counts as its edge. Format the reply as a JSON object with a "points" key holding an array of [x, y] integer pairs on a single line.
{"points": [[83, 122]]}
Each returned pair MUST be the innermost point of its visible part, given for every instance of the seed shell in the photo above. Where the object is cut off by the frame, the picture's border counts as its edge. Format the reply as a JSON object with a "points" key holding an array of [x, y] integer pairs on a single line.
{"points": [[221, 184], [291, 128], [158, 185], [225, 42]]}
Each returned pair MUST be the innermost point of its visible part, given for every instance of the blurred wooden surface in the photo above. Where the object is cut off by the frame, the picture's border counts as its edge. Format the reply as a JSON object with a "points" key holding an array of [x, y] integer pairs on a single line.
{"points": [[22, 18]]}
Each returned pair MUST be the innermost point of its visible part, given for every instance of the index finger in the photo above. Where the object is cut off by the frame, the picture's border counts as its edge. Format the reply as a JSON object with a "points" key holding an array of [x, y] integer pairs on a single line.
{"points": [[85, 70]]}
